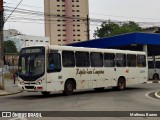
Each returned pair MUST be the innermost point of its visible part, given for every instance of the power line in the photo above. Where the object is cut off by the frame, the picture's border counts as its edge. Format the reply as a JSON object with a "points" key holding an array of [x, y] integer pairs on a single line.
{"points": [[13, 11], [51, 17]]}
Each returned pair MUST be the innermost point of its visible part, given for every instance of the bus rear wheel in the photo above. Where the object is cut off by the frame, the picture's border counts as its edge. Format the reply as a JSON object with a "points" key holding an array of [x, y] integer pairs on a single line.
{"points": [[45, 93], [68, 89], [121, 84], [155, 77]]}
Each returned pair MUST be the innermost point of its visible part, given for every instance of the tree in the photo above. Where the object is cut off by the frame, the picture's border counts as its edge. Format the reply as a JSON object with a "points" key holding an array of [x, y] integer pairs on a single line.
{"points": [[110, 29], [10, 47]]}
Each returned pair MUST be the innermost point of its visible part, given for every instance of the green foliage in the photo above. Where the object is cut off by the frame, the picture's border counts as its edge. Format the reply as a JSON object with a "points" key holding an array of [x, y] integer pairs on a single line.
{"points": [[10, 47], [110, 29]]}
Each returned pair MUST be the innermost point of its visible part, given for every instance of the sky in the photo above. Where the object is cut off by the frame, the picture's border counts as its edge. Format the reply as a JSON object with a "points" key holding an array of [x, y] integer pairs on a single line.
{"points": [[145, 12]]}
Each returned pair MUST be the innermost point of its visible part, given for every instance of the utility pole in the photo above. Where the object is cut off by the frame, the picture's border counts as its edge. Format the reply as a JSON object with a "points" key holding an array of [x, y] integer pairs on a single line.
{"points": [[1, 46], [88, 35]]}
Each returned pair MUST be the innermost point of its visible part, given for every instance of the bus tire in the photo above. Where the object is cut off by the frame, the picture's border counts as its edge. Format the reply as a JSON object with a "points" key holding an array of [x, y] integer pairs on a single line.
{"points": [[155, 76], [121, 85], [68, 89], [45, 93]]}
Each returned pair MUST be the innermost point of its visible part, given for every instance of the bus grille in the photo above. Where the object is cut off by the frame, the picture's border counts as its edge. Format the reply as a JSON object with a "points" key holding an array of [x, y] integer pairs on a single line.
{"points": [[29, 87]]}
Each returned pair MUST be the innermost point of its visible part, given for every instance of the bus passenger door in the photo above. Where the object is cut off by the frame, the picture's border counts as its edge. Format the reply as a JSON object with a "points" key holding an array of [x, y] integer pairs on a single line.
{"points": [[54, 76]]}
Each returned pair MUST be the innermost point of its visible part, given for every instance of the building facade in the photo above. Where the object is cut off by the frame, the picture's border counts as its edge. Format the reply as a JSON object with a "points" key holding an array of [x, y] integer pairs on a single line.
{"points": [[22, 41], [66, 21]]}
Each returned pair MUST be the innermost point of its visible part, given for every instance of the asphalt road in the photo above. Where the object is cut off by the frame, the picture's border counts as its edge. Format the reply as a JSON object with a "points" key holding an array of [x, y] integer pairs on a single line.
{"points": [[134, 98]]}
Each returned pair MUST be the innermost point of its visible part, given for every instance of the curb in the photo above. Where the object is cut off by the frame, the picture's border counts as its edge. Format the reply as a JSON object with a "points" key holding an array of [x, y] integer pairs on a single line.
{"points": [[156, 95], [5, 94]]}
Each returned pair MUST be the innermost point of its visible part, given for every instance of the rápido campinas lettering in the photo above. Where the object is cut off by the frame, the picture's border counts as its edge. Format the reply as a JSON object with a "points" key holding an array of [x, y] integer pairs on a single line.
{"points": [[83, 72]]}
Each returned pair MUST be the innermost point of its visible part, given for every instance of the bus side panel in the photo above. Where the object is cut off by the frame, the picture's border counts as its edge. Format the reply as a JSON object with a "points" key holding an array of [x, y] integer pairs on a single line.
{"points": [[110, 76], [142, 74], [131, 76], [55, 82], [82, 76], [97, 77]]}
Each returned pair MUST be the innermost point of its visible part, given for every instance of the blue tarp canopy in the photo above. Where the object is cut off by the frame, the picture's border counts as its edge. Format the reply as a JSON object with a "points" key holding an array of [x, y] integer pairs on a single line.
{"points": [[131, 41]]}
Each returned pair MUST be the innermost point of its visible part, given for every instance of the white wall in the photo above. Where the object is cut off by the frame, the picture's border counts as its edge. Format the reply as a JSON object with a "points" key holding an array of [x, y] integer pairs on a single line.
{"points": [[27, 40]]}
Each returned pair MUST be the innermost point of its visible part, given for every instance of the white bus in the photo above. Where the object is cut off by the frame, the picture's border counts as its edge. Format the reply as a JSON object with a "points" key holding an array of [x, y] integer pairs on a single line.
{"points": [[66, 68], [154, 68]]}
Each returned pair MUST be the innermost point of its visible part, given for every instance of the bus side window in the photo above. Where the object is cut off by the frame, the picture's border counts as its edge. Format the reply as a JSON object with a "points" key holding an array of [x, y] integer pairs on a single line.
{"points": [[141, 60], [131, 60], [68, 59], [120, 60], [109, 59], [54, 62]]}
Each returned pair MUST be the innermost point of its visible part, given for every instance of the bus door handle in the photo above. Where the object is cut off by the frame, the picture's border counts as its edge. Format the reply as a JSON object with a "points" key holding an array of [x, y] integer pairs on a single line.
{"points": [[115, 69]]}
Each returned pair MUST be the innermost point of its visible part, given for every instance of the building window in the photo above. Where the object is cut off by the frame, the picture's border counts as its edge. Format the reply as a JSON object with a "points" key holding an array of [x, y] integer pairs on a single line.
{"points": [[59, 40]]}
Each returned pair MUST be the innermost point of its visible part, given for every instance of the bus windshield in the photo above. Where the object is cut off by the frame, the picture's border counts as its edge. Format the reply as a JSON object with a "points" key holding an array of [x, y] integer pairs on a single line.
{"points": [[31, 63]]}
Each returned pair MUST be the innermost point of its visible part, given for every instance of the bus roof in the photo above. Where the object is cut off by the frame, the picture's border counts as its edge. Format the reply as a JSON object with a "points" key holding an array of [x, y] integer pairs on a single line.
{"points": [[57, 47]]}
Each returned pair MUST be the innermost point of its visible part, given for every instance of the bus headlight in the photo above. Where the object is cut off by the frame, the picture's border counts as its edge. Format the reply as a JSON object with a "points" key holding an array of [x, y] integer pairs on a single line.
{"points": [[39, 82], [21, 82]]}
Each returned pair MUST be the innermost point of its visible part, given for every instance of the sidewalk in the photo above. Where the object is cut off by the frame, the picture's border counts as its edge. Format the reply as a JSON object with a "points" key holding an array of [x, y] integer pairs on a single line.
{"points": [[10, 88]]}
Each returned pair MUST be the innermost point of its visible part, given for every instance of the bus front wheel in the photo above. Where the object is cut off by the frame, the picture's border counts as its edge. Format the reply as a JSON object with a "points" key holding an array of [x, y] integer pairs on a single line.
{"points": [[68, 89], [121, 84]]}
